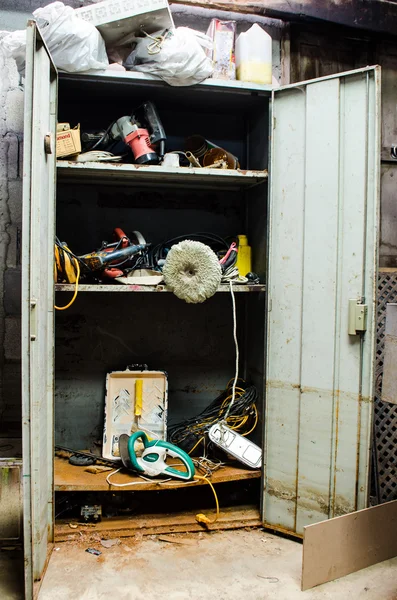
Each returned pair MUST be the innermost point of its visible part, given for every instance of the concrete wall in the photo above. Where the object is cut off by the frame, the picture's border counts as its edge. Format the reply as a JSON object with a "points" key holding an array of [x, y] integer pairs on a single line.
{"points": [[11, 137]]}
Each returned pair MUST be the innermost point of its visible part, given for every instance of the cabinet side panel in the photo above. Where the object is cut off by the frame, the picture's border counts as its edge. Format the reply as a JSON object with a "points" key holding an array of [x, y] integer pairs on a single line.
{"points": [[38, 301]]}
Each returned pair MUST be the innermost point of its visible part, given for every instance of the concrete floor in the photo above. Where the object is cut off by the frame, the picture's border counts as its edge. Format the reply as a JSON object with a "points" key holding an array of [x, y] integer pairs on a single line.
{"points": [[230, 565]]}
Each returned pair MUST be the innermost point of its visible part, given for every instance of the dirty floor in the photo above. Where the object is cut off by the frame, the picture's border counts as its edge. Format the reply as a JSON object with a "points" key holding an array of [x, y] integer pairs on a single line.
{"points": [[228, 565]]}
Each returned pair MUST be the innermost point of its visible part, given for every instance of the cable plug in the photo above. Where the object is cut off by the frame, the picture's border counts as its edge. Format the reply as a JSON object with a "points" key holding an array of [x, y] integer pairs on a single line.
{"points": [[203, 520]]}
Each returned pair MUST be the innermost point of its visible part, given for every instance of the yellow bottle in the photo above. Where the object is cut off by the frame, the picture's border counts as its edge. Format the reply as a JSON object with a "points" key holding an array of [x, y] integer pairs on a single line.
{"points": [[243, 263]]}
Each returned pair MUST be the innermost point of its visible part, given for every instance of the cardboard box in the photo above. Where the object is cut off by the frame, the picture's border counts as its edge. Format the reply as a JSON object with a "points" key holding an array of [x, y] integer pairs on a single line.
{"points": [[68, 142], [119, 21]]}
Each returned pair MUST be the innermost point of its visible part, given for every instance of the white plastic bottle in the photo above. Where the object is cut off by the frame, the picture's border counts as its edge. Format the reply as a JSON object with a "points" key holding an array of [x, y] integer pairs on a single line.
{"points": [[254, 56]]}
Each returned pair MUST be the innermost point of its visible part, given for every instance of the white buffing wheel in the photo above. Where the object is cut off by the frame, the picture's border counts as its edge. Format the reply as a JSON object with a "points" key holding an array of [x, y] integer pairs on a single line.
{"points": [[192, 271]]}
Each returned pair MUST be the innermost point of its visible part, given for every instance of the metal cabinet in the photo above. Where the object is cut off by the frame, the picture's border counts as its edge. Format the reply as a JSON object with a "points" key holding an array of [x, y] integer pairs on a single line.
{"points": [[314, 227]]}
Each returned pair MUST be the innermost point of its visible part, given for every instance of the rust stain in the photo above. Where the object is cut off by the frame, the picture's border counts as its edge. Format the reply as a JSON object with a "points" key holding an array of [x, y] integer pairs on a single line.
{"points": [[308, 498], [281, 529], [327, 393], [336, 421], [279, 489]]}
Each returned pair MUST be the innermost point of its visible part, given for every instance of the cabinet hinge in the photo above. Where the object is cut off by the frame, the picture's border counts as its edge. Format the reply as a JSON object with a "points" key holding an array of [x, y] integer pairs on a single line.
{"points": [[274, 122], [358, 312]]}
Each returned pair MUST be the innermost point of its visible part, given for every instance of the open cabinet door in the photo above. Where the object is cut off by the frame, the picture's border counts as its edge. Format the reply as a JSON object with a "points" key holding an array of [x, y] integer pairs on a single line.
{"points": [[39, 160], [322, 255]]}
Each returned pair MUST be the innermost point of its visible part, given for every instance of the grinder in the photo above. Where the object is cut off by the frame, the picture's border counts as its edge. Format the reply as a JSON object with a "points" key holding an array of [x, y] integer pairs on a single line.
{"points": [[143, 132]]}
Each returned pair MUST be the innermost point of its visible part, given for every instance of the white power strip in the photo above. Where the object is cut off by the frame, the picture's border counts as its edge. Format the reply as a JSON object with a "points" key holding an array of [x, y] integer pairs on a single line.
{"points": [[235, 444]]}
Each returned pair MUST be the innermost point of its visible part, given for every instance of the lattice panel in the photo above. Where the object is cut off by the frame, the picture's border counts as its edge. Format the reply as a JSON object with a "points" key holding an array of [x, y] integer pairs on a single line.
{"points": [[385, 426]]}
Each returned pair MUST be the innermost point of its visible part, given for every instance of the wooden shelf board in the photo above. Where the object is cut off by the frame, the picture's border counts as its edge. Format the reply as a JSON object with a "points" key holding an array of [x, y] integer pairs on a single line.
{"points": [[230, 518], [68, 478], [61, 287], [100, 172]]}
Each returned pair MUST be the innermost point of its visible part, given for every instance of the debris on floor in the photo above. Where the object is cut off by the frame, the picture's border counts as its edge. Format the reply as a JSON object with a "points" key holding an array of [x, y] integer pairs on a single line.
{"points": [[94, 551], [110, 543], [178, 539]]}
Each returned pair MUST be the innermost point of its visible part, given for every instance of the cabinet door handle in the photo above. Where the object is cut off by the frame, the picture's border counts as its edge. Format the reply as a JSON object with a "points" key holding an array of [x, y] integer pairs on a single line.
{"points": [[33, 320], [48, 143]]}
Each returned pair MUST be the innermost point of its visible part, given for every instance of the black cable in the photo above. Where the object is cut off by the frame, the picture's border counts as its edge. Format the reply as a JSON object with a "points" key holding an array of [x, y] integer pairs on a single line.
{"points": [[101, 138], [188, 432]]}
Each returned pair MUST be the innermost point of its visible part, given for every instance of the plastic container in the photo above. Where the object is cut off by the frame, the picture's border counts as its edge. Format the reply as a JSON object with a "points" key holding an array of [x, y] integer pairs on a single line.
{"points": [[243, 263], [223, 35], [254, 56]]}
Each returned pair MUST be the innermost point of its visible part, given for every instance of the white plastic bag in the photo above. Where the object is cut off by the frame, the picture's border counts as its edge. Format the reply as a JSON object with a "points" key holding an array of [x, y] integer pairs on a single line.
{"points": [[180, 59], [74, 44], [14, 46]]}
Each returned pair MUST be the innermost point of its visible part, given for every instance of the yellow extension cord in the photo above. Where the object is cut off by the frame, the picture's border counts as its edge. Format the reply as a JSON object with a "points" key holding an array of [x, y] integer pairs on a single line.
{"points": [[76, 289], [201, 518]]}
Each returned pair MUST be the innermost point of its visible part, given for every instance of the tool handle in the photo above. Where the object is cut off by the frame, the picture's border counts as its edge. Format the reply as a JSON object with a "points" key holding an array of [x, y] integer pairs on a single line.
{"points": [[176, 452], [138, 435], [157, 133], [110, 257], [138, 397], [172, 450]]}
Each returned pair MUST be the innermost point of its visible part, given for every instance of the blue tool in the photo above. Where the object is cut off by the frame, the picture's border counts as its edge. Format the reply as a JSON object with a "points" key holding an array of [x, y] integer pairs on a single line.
{"points": [[152, 462]]}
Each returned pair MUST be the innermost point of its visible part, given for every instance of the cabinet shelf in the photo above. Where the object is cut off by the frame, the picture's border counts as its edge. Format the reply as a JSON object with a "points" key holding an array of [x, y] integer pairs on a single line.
{"points": [[70, 287], [149, 81], [68, 478], [101, 173]]}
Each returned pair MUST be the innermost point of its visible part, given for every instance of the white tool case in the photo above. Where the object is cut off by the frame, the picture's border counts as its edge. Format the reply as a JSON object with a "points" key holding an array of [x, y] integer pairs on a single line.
{"points": [[120, 20], [120, 407]]}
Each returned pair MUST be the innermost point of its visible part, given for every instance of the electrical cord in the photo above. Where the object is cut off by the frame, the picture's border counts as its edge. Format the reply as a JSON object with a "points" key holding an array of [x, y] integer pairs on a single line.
{"points": [[237, 353], [121, 485], [200, 518], [76, 289], [243, 417]]}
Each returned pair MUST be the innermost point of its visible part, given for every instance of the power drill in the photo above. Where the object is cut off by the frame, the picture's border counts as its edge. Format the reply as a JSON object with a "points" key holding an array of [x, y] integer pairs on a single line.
{"points": [[101, 259]]}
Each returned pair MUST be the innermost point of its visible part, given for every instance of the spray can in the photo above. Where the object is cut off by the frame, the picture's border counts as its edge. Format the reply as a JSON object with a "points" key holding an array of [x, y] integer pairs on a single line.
{"points": [[243, 263]]}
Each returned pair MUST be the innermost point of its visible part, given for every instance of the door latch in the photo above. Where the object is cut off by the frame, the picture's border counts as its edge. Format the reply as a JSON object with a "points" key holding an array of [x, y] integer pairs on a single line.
{"points": [[48, 143], [33, 320], [357, 317]]}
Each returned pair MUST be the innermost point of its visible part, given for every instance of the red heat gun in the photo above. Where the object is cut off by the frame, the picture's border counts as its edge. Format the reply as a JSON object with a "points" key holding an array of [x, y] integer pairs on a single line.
{"points": [[143, 132]]}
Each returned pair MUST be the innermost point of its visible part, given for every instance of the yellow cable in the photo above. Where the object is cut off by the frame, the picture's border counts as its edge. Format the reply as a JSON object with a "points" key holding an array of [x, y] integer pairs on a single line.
{"points": [[75, 291], [195, 445], [255, 423], [202, 519]]}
